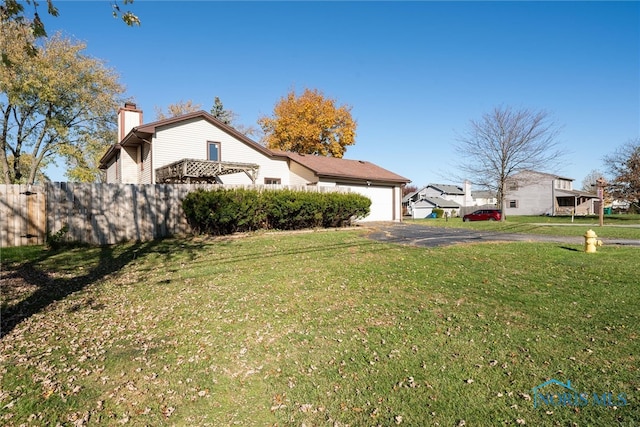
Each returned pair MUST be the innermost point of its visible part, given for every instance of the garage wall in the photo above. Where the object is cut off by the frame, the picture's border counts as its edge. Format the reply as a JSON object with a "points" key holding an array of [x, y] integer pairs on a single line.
{"points": [[385, 201], [419, 212]]}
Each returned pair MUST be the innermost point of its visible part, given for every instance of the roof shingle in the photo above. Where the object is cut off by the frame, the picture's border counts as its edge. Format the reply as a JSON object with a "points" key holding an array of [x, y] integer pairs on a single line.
{"points": [[333, 167]]}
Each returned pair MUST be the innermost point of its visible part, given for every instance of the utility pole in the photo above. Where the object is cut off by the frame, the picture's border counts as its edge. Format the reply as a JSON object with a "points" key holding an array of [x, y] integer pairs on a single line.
{"points": [[600, 183]]}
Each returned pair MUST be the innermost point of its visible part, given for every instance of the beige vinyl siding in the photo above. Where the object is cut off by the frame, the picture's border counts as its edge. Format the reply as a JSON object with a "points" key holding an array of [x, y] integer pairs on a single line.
{"points": [[145, 171], [112, 170], [129, 165], [188, 140], [299, 175]]}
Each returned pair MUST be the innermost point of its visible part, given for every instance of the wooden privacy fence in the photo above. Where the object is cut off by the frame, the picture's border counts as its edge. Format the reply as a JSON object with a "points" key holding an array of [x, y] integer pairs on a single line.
{"points": [[22, 215], [100, 214]]}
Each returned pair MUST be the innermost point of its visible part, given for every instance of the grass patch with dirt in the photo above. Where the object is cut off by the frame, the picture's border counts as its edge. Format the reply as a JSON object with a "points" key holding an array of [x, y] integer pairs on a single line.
{"points": [[322, 328]]}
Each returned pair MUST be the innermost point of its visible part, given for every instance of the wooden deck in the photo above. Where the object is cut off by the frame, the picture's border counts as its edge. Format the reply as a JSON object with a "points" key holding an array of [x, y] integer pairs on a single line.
{"points": [[202, 171]]}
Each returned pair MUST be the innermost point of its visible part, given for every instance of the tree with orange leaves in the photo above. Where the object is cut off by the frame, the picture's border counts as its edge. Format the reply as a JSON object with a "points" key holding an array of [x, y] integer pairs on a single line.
{"points": [[309, 124]]}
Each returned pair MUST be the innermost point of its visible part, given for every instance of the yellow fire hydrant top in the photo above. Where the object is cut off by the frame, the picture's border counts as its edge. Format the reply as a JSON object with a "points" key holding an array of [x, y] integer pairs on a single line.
{"points": [[590, 233], [591, 241]]}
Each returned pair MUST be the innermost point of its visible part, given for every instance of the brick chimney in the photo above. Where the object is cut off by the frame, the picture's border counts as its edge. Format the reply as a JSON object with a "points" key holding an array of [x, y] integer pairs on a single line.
{"points": [[129, 117]]}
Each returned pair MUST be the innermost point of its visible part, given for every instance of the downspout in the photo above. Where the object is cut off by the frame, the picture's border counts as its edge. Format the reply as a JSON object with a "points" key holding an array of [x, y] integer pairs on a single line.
{"points": [[152, 173]]}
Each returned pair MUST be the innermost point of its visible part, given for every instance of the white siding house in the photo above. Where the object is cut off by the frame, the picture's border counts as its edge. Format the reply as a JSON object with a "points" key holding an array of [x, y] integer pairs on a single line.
{"points": [[146, 152], [454, 199], [424, 208]]}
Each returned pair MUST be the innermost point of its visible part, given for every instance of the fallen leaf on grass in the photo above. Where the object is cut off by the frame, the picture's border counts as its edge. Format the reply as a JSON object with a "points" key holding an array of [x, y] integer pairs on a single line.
{"points": [[306, 407], [167, 411]]}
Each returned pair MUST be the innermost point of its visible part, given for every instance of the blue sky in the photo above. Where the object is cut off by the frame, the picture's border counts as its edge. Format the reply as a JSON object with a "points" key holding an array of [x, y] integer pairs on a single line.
{"points": [[415, 73]]}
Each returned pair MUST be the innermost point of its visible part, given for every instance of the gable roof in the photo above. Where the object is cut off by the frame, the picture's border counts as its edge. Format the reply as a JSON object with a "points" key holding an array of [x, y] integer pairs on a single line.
{"points": [[333, 167], [146, 131], [438, 202], [409, 197], [448, 189], [150, 128], [329, 167], [542, 174]]}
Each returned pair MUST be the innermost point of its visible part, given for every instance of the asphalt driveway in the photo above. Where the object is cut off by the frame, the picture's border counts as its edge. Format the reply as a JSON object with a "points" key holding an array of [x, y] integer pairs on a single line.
{"points": [[425, 236]]}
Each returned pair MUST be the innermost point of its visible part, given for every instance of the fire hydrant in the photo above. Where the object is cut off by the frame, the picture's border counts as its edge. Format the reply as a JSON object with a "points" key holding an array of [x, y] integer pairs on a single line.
{"points": [[591, 241]]}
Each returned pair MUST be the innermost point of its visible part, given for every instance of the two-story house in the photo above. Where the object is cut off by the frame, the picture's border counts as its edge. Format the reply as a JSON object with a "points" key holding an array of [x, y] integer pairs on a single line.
{"points": [[539, 193], [455, 200], [196, 147]]}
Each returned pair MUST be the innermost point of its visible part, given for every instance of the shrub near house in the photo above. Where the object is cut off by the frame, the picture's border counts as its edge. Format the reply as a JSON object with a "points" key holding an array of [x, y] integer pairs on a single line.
{"points": [[226, 211]]}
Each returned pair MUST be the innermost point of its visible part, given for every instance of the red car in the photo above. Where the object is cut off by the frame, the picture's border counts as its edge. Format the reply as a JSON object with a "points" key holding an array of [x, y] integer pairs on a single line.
{"points": [[483, 215]]}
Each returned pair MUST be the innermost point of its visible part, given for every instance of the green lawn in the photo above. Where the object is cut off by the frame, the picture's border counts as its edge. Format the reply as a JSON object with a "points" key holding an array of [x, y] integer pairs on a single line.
{"points": [[318, 328], [615, 226]]}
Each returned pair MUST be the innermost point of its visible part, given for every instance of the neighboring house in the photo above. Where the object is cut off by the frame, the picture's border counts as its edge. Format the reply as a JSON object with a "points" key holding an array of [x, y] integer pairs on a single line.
{"points": [[538, 193], [453, 193], [196, 147], [484, 198], [454, 199], [424, 207], [618, 206]]}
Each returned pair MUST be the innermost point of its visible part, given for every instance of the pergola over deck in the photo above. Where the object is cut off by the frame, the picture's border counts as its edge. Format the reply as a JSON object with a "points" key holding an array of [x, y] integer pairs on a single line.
{"points": [[206, 171]]}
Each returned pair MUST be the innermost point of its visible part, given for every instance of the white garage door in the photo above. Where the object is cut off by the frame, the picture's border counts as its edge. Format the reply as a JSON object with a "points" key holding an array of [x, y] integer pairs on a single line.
{"points": [[421, 211], [381, 201]]}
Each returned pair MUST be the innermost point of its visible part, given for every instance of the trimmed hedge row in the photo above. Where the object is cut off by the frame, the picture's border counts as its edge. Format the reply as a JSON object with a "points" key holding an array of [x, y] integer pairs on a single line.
{"points": [[226, 211]]}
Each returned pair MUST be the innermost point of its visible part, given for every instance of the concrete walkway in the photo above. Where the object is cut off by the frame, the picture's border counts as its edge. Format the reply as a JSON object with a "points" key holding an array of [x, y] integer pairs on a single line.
{"points": [[426, 236]]}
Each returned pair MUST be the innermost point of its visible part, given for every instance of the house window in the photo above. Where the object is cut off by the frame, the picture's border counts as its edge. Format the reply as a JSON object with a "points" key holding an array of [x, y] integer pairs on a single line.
{"points": [[272, 181], [566, 201], [563, 184], [512, 186], [513, 203], [213, 151]]}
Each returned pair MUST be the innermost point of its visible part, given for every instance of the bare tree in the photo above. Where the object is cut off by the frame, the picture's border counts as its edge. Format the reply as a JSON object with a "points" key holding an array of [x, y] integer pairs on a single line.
{"points": [[507, 141], [408, 189], [589, 181], [624, 167], [177, 109]]}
